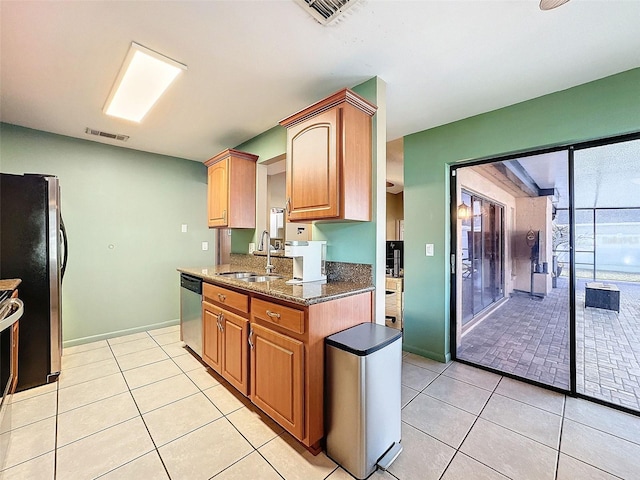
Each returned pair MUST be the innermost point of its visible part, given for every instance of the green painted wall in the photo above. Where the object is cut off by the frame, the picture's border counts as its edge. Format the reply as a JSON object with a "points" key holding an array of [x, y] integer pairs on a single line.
{"points": [[346, 242], [132, 200], [606, 107], [267, 145], [270, 144]]}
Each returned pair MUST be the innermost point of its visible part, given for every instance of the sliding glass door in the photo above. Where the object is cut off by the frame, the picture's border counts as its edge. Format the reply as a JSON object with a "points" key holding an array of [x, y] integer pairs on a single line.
{"points": [[564, 311], [607, 267], [482, 259], [512, 312]]}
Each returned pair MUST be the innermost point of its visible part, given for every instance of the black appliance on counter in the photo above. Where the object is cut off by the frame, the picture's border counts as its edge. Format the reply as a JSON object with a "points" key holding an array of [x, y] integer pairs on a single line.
{"points": [[395, 257], [33, 247]]}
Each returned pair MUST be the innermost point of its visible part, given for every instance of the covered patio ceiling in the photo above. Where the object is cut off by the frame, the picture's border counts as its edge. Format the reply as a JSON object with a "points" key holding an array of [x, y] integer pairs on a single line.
{"points": [[605, 177]]}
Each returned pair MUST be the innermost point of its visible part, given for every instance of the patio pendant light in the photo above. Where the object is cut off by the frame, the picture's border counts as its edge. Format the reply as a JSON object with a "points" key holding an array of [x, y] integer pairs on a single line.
{"points": [[551, 4], [464, 211]]}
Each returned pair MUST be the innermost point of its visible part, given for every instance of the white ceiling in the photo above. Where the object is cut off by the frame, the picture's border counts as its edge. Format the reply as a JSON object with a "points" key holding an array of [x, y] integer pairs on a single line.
{"points": [[252, 63]]}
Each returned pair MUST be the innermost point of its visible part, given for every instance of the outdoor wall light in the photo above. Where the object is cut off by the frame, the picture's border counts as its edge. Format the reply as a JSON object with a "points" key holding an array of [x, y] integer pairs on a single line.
{"points": [[464, 211]]}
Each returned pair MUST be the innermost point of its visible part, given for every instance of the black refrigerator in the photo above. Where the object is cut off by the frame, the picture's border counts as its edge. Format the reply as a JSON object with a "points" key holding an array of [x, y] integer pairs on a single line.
{"points": [[33, 247]]}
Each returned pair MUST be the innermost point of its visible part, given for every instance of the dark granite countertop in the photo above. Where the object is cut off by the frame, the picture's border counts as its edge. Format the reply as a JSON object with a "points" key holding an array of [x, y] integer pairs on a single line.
{"points": [[7, 287], [304, 294]]}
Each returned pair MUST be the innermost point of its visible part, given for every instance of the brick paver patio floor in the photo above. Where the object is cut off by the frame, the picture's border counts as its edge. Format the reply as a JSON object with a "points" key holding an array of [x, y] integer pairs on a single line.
{"points": [[529, 337]]}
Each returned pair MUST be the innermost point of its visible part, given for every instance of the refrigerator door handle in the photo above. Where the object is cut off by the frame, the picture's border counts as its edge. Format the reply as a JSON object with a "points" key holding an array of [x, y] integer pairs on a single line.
{"points": [[65, 249]]}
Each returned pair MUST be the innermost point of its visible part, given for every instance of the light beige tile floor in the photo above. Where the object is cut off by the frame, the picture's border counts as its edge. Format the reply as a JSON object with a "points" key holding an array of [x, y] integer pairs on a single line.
{"points": [[142, 407]]}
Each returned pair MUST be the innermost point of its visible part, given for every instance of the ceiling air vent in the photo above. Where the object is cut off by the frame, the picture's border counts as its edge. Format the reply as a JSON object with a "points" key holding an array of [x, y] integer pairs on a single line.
{"points": [[326, 11], [112, 136]]}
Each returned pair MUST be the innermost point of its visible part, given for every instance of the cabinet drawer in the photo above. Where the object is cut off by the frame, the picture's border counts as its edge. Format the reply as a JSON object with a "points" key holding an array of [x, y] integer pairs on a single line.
{"points": [[225, 297], [286, 317]]}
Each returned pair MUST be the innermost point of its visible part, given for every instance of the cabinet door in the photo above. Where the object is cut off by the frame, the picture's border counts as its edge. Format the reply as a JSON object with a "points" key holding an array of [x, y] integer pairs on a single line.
{"points": [[277, 383], [312, 168], [218, 194], [235, 334], [211, 337]]}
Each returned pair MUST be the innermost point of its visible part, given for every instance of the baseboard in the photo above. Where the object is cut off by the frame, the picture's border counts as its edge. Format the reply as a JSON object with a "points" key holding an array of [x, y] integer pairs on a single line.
{"points": [[119, 333], [438, 357]]}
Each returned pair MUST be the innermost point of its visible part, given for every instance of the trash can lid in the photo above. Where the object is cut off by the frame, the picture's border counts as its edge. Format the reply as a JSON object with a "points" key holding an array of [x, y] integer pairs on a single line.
{"points": [[364, 339]]}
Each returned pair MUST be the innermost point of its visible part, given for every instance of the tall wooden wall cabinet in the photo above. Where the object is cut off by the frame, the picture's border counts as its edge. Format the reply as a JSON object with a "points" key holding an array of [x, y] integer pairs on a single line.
{"points": [[231, 190], [329, 160]]}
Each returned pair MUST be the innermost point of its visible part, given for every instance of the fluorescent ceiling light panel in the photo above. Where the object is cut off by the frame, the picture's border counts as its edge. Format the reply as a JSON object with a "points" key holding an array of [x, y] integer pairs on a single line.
{"points": [[144, 76]]}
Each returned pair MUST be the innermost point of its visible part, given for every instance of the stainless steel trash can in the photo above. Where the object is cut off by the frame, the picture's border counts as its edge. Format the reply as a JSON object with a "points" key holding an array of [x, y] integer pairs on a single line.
{"points": [[364, 366]]}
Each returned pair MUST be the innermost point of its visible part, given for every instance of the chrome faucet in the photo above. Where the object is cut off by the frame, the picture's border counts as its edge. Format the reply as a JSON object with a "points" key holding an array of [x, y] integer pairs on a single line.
{"points": [[269, 268]]}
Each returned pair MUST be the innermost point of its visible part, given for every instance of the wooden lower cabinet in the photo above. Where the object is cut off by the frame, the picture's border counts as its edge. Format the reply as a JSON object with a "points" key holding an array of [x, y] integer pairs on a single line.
{"points": [[225, 345], [287, 359], [277, 377], [276, 356], [235, 351], [211, 337]]}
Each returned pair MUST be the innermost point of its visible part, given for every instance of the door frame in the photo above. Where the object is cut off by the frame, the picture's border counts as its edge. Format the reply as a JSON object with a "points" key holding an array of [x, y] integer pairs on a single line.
{"points": [[570, 147]]}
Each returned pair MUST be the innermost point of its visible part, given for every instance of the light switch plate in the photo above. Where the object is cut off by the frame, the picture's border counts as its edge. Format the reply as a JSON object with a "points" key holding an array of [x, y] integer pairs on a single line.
{"points": [[429, 250], [184, 228], [205, 245]]}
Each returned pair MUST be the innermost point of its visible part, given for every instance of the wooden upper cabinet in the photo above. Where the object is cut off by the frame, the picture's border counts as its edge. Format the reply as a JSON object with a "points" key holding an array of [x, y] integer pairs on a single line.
{"points": [[231, 192], [329, 160], [218, 193]]}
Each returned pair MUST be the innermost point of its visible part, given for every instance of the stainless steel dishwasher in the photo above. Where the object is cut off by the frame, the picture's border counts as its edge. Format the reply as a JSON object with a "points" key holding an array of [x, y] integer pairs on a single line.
{"points": [[191, 312]]}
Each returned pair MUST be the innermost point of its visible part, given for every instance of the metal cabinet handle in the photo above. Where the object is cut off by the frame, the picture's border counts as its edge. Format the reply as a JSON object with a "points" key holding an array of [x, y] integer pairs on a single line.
{"points": [[287, 206], [220, 319], [250, 338], [224, 215], [222, 297], [273, 314]]}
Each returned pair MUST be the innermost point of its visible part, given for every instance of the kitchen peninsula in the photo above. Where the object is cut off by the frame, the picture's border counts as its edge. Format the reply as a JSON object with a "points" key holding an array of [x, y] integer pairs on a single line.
{"points": [[267, 337]]}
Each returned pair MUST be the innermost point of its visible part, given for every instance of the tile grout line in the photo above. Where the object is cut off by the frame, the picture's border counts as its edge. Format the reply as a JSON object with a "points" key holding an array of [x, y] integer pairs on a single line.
{"points": [[564, 406], [140, 415], [143, 422], [457, 449], [494, 392], [256, 449], [222, 415], [55, 444], [225, 415]]}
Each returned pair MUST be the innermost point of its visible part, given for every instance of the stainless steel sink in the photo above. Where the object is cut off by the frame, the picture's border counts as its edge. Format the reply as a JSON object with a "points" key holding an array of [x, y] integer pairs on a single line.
{"points": [[249, 276], [239, 275], [261, 278]]}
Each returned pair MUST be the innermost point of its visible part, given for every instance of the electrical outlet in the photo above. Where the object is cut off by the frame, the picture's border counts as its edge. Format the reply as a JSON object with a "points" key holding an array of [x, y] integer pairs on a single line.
{"points": [[205, 245], [184, 228], [429, 250]]}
